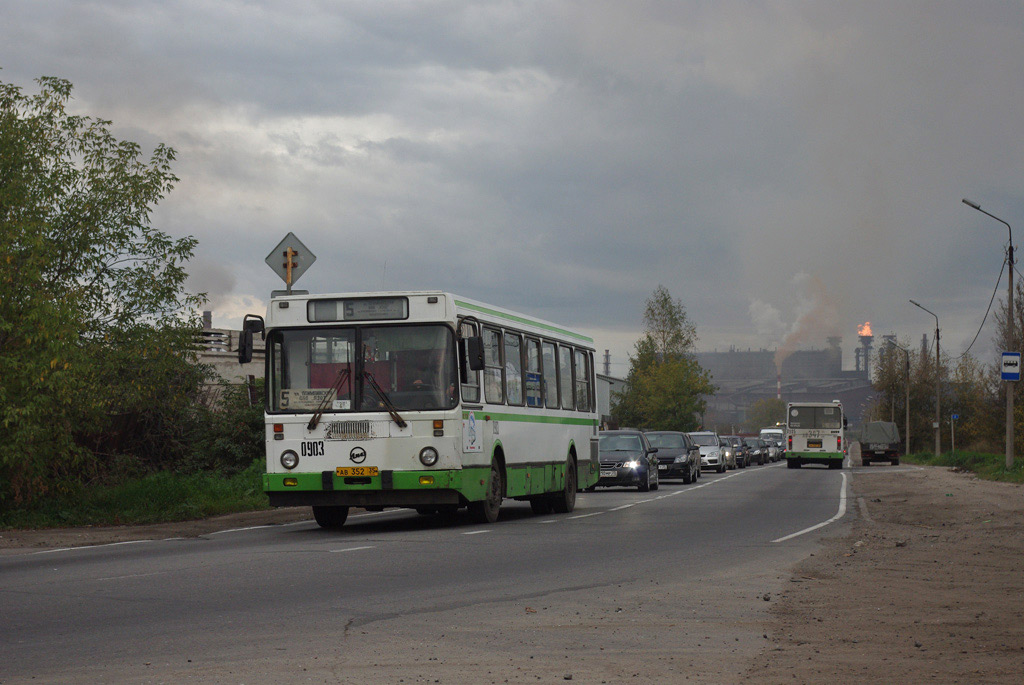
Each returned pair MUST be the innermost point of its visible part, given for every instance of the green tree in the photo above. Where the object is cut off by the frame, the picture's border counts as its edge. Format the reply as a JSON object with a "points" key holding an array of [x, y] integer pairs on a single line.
{"points": [[95, 325], [765, 412], [665, 387]]}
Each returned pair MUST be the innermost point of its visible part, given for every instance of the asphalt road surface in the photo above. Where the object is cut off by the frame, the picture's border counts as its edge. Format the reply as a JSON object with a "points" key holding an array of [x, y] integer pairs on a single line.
{"points": [[656, 585]]}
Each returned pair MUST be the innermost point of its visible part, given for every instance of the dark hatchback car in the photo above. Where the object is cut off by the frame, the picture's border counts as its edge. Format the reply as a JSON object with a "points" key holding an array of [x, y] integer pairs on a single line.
{"points": [[735, 445], [758, 450], [627, 459], [678, 456]]}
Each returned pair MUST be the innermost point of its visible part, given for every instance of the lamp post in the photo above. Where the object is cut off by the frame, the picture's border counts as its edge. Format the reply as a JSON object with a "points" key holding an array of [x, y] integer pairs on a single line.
{"points": [[1012, 339], [938, 373], [906, 428]]}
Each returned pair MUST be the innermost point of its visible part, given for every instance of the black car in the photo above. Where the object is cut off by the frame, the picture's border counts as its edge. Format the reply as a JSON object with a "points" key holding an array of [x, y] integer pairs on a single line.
{"points": [[758, 450], [627, 458], [739, 449], [678, 456]]}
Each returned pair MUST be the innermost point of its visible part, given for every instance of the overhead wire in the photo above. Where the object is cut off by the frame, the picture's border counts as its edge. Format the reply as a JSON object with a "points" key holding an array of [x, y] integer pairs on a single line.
{"points": [[985, 318]]}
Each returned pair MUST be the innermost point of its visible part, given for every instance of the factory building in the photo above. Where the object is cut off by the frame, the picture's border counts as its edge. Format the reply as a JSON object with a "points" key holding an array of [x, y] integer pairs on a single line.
{"points": [[744, 377]]}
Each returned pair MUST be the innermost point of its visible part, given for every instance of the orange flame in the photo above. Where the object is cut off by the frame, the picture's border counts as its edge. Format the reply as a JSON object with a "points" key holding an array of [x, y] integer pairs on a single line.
{"points": [[865, 329]]}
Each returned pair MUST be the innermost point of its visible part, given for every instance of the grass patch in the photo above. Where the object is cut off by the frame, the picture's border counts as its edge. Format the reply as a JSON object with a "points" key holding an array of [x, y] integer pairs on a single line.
{"points": [[157, 498], [983, 464]]}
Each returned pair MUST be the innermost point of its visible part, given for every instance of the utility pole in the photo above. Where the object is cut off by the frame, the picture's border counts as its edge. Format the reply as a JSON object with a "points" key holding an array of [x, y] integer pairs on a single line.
{"points": [[1012, 342], [938, 389], [906, 427]]}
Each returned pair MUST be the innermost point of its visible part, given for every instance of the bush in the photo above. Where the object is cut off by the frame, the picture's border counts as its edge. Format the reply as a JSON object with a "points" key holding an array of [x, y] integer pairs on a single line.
{"points": [[983, 464]]}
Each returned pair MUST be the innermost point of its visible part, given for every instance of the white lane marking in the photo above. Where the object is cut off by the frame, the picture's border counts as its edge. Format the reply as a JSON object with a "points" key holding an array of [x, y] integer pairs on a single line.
{"points": [[352, 549], [839, 515], [108, 544], [239, 530], [135, 575], [476, 532], [377, 513], [652, 499]]}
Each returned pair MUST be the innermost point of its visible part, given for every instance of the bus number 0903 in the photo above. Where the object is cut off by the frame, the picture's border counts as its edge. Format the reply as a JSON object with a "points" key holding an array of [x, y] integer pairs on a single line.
{"points": [[313, 448]]}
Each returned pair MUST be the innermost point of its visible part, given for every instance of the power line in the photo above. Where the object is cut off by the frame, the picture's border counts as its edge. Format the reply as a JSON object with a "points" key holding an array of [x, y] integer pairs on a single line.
{"points": [[985, 318]]}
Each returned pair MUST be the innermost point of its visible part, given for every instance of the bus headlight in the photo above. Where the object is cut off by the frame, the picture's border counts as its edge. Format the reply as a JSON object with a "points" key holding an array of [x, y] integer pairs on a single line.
{"points": [[289, 459], [428, 456]]}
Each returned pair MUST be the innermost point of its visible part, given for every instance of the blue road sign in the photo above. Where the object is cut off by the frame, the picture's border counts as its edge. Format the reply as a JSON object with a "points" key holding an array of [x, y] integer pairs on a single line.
{"points": [[1011, 366]]}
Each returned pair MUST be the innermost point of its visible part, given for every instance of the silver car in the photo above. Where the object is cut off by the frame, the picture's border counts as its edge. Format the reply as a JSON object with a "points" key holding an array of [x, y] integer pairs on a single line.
{"points": [[712, 458]]}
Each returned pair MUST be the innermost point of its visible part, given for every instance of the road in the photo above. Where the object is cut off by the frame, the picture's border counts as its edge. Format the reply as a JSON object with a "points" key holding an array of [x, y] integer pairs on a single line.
{"points": [[649, 584]]}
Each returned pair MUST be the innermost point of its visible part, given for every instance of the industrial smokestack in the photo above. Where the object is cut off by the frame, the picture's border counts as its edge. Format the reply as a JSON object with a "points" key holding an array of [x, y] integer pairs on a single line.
{"points": [[867, 340]]}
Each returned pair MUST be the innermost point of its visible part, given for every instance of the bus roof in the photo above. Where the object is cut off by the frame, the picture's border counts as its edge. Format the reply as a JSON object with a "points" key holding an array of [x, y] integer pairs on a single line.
{"points": [[455, 305]]}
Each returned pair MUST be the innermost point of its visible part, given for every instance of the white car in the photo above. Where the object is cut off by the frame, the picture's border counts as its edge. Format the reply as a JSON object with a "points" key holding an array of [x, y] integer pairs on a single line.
{"points": [[711, 455]]}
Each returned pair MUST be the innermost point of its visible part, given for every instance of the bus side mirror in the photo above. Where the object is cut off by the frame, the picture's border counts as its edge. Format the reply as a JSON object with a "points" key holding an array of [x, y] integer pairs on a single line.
{"points": [[844, 422], [250, 324], [474, 352]]}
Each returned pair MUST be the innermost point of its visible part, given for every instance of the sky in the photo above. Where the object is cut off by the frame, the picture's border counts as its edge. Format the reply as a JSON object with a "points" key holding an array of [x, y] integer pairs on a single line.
{"points": [[787, 170]]}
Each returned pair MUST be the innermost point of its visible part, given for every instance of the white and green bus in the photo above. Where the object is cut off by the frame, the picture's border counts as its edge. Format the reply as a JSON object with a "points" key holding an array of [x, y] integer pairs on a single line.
{"points": [[423, 400], [814, 434]]}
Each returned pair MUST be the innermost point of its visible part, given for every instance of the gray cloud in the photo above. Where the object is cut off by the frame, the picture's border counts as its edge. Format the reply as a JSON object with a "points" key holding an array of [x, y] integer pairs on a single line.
{"points": [[566, 157]]}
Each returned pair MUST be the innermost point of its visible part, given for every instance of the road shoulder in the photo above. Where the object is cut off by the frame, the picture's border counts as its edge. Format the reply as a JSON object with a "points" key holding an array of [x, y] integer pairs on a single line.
{"points": [[928, 584]]}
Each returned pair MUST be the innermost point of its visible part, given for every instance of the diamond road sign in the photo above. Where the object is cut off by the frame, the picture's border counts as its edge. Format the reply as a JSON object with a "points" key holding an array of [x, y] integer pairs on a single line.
{"points": [[1011, 366], [290, 259]]}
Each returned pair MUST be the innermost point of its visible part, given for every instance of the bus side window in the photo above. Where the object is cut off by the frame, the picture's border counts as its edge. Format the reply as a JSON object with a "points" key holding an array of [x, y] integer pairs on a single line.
{"points": [[493, 386], [565, 376], [513, 368], [550, 376], [533, 374], [470, 389], [582, 381], [591, 383]]}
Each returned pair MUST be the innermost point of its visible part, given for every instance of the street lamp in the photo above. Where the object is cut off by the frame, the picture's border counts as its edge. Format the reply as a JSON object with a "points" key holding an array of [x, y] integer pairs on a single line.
{"points": [[938, 370], [1012, 340], [906, 429]]}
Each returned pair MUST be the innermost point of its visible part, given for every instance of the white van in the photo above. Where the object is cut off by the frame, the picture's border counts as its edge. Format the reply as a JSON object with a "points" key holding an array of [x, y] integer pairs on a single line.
{"points": [[775, 437]]}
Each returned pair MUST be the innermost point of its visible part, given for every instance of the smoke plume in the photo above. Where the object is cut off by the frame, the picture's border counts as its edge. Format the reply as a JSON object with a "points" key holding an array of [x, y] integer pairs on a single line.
{"points": [[817, 317]]}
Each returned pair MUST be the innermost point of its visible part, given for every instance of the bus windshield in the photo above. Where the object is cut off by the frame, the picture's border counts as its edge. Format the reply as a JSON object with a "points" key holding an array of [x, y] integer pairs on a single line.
{"points": [[820, 418], [362, 368]]}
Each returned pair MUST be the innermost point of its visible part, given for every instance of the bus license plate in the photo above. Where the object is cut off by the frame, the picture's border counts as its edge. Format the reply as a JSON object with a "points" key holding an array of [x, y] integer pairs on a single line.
{"points": [[355, 471], [608, 474], [814, 443]]}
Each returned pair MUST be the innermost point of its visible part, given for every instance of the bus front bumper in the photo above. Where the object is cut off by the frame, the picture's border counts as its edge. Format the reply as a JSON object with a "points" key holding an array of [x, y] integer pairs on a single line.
{"points": [[389, 489]]}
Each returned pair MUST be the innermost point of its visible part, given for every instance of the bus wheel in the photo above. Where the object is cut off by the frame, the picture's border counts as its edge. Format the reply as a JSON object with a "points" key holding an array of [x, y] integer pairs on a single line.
{"points": [[565, 501], [486, 510], [330, 517]]}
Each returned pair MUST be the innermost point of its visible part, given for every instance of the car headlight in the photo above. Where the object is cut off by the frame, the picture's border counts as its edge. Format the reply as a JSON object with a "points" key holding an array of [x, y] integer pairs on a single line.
{"points": [[428, 456], [289, 459], [679, 459], [713, 454], [632, 464]]}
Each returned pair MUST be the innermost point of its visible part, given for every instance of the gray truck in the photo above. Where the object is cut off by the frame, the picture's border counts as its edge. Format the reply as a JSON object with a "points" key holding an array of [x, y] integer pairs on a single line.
{"points": [[879, 441]]}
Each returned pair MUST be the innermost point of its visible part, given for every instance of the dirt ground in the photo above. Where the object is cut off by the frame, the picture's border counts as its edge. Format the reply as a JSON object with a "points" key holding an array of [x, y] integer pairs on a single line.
{"points": [[927, 587]]}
